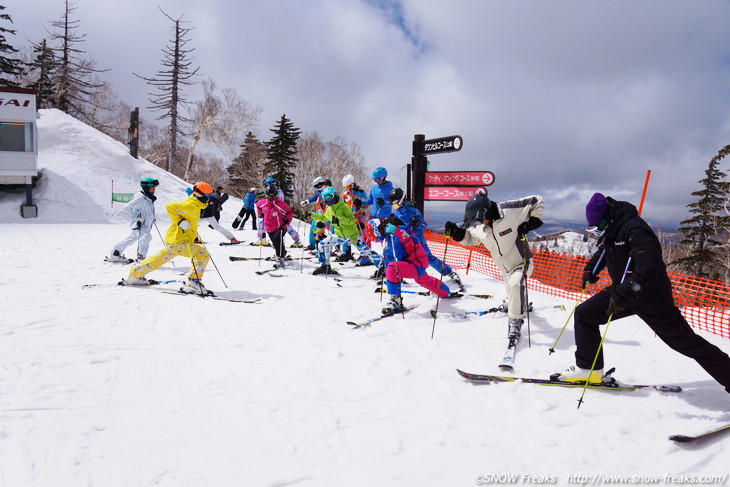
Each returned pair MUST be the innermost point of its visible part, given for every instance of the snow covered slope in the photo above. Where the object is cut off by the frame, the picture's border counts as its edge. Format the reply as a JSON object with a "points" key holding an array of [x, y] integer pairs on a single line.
{"points": [[132, 387]]}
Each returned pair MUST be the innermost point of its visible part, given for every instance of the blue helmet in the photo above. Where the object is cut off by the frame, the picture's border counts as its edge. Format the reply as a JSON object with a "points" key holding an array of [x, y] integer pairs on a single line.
{"points": [[380, 173], [329, 195], [269, 181]]}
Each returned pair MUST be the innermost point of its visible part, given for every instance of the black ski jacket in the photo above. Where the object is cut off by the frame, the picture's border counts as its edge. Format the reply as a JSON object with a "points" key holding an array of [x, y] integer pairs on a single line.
{"points": [[631, 252]]}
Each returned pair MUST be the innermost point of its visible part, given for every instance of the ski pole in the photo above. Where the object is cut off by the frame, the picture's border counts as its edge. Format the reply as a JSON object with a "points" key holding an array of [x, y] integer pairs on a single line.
{"points": [[595, 359], [438, 296], [154, 222], [192, 260], [397, 276], [527, 296], [585, 288], [301, 263], [212, 261], [600, 344]]}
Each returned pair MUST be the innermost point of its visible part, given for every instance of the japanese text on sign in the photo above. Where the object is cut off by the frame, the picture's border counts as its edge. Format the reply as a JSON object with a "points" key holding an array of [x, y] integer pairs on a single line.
{"points": [[469, 178], [444, 144], [450, 193]]}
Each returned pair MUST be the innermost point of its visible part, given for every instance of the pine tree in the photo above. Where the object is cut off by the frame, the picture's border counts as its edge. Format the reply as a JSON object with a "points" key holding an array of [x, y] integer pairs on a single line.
{"points": [[282, 155], [9, 66], [176, 73], [247, 170], [74, 88], [701, 231], [43, 67]]}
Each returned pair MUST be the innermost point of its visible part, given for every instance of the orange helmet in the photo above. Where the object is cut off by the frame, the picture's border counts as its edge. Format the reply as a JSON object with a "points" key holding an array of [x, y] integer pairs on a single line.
{"points": [[204, 189]]}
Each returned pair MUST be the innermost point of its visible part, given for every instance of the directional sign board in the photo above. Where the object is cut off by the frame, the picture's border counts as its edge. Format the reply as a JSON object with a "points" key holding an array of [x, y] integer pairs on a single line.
{"points": [[452, 143], [450, 193], [464, 178]]}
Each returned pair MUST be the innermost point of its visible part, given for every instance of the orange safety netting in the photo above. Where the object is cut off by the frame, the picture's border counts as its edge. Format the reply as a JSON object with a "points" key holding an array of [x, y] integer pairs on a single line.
{"points": [[705, 304]]}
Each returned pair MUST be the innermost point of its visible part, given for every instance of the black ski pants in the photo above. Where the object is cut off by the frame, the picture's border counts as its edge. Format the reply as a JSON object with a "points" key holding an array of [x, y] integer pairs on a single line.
{"points": [[277, 240], [664, 319], [246, 214]]}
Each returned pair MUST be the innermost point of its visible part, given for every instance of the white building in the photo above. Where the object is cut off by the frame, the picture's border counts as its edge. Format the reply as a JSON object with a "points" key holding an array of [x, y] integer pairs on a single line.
{"points": [[19, 142]]}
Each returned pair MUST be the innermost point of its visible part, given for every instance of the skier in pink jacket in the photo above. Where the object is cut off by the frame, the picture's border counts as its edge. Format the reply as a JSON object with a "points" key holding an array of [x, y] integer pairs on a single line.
{"points": [[275, 217]]}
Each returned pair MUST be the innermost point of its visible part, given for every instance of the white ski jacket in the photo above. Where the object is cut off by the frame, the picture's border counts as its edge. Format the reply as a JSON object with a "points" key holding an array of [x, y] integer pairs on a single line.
{"points": [[500, 237], [141, 207]]}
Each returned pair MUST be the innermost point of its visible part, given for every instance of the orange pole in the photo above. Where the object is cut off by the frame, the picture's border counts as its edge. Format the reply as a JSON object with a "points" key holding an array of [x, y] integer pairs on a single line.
{"points": [[643, 192]]}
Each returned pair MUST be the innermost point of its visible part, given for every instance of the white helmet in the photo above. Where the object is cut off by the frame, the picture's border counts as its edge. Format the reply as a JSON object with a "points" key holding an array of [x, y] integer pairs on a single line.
{"points": [[348, 180], [317, 181]]}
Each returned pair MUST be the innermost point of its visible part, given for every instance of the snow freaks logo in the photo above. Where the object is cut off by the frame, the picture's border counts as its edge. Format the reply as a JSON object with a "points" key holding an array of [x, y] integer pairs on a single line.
{"points": [[514, 478]]}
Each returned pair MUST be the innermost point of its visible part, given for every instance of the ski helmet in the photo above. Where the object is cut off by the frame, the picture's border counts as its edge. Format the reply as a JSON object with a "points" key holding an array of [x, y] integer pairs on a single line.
{"points": [[374, 224], [203, 188], [318, 181], [272, 192], [329, 195], [149, 183], [269, 181], [397, 197], [380, 174], [253, 190], [348, 180]]}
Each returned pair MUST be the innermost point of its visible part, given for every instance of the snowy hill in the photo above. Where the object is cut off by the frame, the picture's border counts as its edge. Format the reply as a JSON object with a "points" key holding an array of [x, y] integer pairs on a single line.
{"points": [[571, 243], [128, 387]]}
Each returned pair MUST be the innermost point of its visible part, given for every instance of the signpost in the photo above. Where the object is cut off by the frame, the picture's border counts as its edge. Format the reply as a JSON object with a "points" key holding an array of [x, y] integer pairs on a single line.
{"points": [[421, 148]]}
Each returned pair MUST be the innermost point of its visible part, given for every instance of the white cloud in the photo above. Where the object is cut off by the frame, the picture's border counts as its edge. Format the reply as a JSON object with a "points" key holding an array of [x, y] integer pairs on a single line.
{"points": [[547, 95]]}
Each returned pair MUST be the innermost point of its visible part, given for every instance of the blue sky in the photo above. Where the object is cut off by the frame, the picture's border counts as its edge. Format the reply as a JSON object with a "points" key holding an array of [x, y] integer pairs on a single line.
{"points": [[560, 98]]}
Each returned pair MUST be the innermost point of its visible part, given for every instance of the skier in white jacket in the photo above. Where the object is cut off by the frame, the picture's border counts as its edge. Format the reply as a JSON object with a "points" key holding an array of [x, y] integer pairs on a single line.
{"points": [[501, 227], [141, 212]]}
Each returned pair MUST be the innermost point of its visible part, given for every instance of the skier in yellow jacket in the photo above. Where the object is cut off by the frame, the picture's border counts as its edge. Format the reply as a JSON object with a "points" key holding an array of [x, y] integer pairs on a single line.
{"points": [[180, 240]]}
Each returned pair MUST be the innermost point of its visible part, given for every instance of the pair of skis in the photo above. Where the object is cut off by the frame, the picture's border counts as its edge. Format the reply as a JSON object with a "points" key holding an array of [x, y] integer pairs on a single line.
{"points": [[153, 285], [608, 384]]}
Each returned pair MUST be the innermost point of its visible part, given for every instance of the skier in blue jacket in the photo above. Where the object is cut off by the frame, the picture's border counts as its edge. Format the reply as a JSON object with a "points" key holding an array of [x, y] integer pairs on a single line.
{"points": [[407, 212], [378, 197], [404, 257], [247, 211]]}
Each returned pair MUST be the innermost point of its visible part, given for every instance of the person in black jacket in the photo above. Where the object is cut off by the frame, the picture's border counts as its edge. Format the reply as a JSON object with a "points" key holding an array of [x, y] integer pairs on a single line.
{"points": [[630, 251], [211, 214]]}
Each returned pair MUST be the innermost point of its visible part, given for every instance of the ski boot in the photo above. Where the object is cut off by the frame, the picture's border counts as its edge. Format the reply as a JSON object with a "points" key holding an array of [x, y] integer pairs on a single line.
{"points": [[576, 374], [394, 305], [514, 328], [194, 286], [325, 269]]}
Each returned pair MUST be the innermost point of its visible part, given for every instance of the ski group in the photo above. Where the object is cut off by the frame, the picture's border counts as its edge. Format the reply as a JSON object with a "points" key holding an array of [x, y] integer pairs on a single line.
{"points": [[627, 249]]}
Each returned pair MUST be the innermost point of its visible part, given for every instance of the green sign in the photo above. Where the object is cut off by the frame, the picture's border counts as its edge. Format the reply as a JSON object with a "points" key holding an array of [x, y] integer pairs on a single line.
{"points": [[122, 197]]}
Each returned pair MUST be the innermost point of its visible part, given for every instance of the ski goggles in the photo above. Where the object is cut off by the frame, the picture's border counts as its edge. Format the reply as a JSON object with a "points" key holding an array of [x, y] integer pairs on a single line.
{"points": [[379, 180], [598, 229], [150, 183]]}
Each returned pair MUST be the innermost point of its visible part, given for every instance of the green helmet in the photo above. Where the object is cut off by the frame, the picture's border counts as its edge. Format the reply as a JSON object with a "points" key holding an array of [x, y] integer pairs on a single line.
{"points": [[149, 182]]}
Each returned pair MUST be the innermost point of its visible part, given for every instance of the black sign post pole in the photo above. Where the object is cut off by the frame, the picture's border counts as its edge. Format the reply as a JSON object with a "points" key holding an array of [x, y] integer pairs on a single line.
{"points": [[421, 149], [418, 171]]}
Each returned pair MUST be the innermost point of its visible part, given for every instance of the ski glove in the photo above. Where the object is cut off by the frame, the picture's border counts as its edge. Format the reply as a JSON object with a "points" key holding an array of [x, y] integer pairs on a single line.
{"points": [[380, 201], [614, 307], [335, 220], [526, 227], [453, 230], [390, 228], [587, 278], [357, 203], [414, 222], [184, 224], [304, 203]]}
